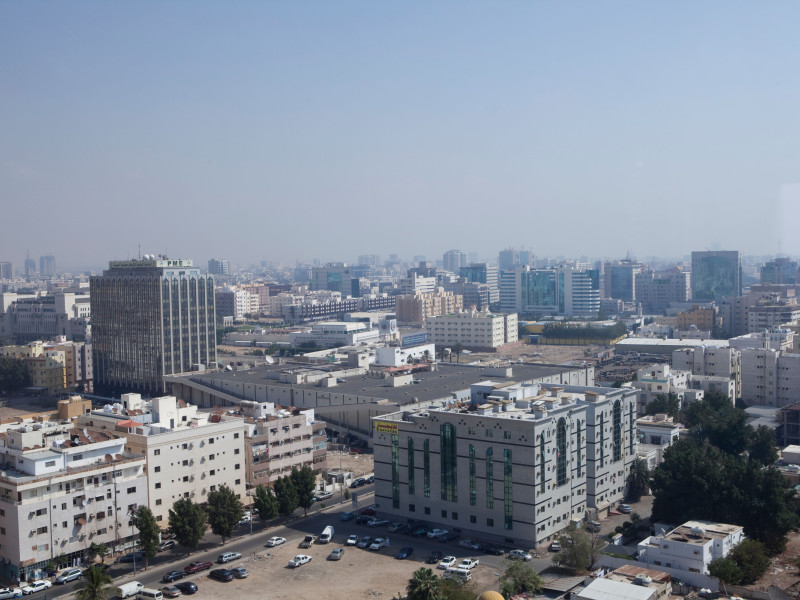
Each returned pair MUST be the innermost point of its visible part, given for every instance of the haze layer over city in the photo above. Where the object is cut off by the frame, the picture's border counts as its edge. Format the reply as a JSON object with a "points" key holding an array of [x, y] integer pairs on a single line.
{"points": [[316, 130]]}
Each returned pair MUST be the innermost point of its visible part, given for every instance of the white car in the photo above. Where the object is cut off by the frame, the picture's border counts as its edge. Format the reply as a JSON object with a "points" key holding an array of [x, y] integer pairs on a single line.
{"points": [[10, 593], [436, 533], [625, 509], [468, 563], [519, 555], [298, 560], [447, 562], [377, 544], [352, 540], [275, 541], [36, 586]]}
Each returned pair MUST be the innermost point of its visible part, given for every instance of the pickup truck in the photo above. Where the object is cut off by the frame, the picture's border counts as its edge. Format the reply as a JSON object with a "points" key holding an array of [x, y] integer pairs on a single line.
{"points": [[468, 563], [308, 541]]}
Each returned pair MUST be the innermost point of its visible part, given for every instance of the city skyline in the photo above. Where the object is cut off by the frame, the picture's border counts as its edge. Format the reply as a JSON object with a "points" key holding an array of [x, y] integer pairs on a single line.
{"points": [[274, 131]]}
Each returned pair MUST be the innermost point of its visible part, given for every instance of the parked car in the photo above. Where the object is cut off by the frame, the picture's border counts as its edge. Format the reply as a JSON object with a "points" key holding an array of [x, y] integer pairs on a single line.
{"points": [[435, 533], [469, 545], [352, 540], [198, 566], [298, 560], [434, 557], [468, 563], [377, 543], [349, 516], [308, 541], [371, 479], [377, 523], [227, 557], [492, 549], [449, 537], [131, 556], [6, 593], [336, 554], [187, 587], [624, 509], [358, 482], [68, 575], [275, 541], [364, 542], [519, 555], [364, 519], [394, 527], [420, 532], [173, 576], [447, 562], [36, 586], [240, 572], [369, 510], [555, 546], [593, 526], [170, 591], [404, 552], [223, 575], [166, 545], [323, 496]]}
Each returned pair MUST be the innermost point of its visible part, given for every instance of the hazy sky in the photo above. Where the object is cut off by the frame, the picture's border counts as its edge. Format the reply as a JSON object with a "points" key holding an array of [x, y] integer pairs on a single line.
{"points": [[299, 130]]}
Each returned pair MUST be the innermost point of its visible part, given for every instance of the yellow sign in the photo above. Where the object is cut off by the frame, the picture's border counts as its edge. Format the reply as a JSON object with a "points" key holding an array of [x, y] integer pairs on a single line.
{"points": [[384, 427]]}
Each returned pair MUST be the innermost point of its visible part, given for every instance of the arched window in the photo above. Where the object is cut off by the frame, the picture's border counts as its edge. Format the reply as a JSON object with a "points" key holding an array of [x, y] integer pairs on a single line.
{"points": [[473, 492], [395, 471], [508, 514], [426, 468], [449, 460], [490, 478], [542, 464], [617, 424], [411, 489], [561, 452], [579, 448]]}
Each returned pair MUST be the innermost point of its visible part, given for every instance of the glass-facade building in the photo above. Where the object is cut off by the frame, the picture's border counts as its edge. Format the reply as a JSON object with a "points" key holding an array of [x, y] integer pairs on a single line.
{"points": [[151, 318], [716, 274]]}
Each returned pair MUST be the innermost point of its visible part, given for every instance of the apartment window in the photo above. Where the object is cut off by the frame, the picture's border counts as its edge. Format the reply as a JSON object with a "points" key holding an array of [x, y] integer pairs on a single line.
{"points": [[454, 516], [186, 463], [3, 529], [157, 469], [411, 489], [77, 457], [561, 452], [426, 469], [236, 466], [186, 478], [157, 452], [506, 435], [185, 494], [490, 478], [131, 490], [473, 519], [41, 530], [236, 451], [448, 462], [158, 502], [185, 446], [617, 424], [444, 514], [507, 491], [210, 457], [473, 492], [159, 517], [212, 472], [41, 511], [412, 508], [211, 440], [236, 436], [427, 510], [490, 522], [395, 471], [50, 463], [158, 485], [63, 506]]}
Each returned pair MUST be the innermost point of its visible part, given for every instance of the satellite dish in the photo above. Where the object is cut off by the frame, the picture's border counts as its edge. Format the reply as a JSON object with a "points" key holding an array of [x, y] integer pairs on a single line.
{"points": [[270, 360]]}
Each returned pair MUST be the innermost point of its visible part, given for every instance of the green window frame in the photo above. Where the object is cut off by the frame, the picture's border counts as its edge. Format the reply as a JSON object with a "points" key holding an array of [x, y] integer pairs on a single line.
{"points": [[508, 500], [395, 471], [426, 468], [411, 487], [448, 460], [473, 492], [617, 433], [561, 452], [490, 478]]}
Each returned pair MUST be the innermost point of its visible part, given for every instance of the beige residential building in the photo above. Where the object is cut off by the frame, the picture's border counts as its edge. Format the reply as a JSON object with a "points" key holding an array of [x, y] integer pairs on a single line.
{"points": [[189, 453], [62, 489], [473, 329], [418, 307]]}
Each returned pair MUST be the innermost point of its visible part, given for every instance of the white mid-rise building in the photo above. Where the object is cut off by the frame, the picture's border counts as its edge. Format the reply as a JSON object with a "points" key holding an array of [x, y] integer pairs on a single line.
{"points": [[474, 329], [690, 547], [61, 489], [189, 453], [331, 334], [770, 377]]}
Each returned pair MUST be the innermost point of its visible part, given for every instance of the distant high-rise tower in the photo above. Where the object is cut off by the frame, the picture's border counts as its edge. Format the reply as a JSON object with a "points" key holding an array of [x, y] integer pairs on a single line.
{"points": [[510, 258], [151, 318], [47, 265], [483, 273], [218, 267], [30, 267], [780, 270], [6, 270], [453, 260], [716, 274]]}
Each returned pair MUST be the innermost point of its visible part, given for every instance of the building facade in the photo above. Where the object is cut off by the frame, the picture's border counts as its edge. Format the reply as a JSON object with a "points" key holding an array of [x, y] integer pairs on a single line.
{"points": [[151, 318], [417, 307], [453, 260], [716, 274], [518, 463], [218, 267], [473, 329], [656, 290]]}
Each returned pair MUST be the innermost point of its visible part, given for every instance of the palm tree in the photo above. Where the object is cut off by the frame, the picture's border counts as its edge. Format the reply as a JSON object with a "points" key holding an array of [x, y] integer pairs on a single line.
{"points": [[639, 479], [426, 355], [95, 585], [424, 585]]}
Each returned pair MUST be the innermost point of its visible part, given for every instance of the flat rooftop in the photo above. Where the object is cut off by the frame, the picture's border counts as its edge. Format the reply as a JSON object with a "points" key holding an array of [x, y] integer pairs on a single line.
{"points": [[432, 385], [711, 531]]}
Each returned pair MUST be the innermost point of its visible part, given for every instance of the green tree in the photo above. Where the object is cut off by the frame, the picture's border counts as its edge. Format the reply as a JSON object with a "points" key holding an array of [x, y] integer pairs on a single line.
{"points": [[266, 503], [304, 482], [751, 558], [639, 479], [187, 521], [726, 570], [149, 533], [579, 550], [426, 356], [95, 584], [424, 585], [224, 511], [453, 589], [98, 551], [762, 446], [457, 350], [286, 495], [520, 577], [668, 404], [14, 374]]}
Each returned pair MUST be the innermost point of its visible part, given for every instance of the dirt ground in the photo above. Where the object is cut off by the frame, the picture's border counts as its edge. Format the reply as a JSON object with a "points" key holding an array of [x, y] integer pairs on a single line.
{"points": [[781, 572]]}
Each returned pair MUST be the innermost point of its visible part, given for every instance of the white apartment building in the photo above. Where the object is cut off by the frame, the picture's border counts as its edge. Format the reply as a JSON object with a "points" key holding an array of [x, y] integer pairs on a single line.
{"points": [[660, 380], [398, 356], [416, 283], [690, 547], [474, 329], [770, 377], [188, 453], [713, 362], [515, 462], [236, 302], [62, 488], [776, 338], [331, 334]]}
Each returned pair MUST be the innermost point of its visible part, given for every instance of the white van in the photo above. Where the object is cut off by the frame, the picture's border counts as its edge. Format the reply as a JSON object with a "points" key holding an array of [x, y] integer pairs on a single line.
{"points": [[459, 574], [149, 594], [226, 557], [126, 590], [327, 535]]}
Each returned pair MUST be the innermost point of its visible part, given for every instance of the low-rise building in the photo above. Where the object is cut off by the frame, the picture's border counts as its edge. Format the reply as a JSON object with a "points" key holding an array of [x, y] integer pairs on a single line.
{"points": [[418, 307], [62, 489], [691, 546], [332, 334], [473, 329]]}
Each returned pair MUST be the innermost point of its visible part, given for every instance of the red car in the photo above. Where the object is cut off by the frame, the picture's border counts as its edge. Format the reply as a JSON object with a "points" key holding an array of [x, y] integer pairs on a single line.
{"points": [[356, 450], [198, 566]]}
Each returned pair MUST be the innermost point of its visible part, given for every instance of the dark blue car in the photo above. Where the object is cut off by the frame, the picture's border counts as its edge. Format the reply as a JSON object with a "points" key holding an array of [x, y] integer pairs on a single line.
{"points": [[404, 552]]}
